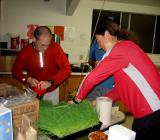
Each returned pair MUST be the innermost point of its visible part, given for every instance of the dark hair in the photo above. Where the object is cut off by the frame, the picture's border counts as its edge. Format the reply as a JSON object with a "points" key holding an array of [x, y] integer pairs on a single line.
{"points": [[108, 26], [126, 35], [120, 34], [41, 30]]}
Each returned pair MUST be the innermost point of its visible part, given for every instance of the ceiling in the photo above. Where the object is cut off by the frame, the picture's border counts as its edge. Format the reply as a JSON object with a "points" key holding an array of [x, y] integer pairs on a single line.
{"points": [[71, 5]]}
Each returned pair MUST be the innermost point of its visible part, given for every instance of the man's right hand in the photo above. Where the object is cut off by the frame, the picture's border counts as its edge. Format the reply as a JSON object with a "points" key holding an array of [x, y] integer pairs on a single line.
{"points": [[32, 82]]}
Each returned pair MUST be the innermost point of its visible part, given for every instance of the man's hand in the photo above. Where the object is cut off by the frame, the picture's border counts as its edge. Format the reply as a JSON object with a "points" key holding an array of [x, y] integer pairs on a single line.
{"points": [[75, 100], [96, 63], [44, 85], [71, 102], [32, 82], [40, 85]]}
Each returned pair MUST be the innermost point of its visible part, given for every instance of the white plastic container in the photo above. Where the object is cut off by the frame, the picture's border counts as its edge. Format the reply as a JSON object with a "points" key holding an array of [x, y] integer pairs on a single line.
{"points": [[119, 132], [104, 109]]}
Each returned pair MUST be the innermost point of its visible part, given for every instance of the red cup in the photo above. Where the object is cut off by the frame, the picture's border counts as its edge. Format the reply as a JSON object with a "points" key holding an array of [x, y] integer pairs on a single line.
{"points": [[24, 42], [15, 42], [39, 91]]}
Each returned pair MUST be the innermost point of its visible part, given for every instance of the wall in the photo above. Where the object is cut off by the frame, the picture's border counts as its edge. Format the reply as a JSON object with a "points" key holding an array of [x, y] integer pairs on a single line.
{"points": [[18, 13], [0, 20]]}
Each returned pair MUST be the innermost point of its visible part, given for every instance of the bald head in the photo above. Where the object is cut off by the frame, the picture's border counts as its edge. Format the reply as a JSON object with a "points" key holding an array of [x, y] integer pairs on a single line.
{"points": [[43, 37], [42, 30]]}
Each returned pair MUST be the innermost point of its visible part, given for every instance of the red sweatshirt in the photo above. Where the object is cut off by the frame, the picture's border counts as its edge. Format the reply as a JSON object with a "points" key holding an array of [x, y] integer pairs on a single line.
{"points": [[56, 65], [137, 80]]}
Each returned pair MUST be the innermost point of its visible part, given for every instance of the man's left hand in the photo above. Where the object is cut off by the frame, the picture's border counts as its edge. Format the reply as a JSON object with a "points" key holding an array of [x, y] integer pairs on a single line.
{"points": [[44, 85]]}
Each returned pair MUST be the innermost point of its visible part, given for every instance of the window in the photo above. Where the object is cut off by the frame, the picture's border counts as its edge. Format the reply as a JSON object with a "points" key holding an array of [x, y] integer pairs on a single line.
{"points": [[143, 27], [146, 28], [156, 49], [103, 16]]}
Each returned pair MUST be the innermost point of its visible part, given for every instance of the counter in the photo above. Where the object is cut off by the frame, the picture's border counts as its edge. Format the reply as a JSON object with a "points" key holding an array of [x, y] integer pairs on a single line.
{"points": [[73, 73]]}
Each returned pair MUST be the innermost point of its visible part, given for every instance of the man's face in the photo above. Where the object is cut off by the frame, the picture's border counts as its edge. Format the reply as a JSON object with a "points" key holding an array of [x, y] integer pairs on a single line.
{"points": [[101, 40], [112, 27], [104, 41], [43, 42]]}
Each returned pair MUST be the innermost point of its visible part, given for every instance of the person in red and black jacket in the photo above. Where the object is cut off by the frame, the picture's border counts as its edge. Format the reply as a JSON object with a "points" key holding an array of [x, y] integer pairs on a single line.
{"points": [[137, 81], [45, 62]]}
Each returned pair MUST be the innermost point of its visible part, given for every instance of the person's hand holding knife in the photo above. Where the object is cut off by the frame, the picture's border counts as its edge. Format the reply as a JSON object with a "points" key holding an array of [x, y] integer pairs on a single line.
{"points": [[75, 100]]}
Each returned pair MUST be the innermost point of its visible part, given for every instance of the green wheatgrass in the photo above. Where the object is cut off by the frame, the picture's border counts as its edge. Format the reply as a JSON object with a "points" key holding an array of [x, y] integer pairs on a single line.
{"points": [[65, 119]]}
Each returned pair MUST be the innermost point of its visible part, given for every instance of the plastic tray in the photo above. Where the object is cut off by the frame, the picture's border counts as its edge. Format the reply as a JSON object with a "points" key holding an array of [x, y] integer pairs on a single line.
{"points": [[84, 132]]}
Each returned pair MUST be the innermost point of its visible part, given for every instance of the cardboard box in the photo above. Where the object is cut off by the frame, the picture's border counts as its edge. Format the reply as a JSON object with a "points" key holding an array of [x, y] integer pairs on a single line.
{"points": [[31, 109], [6, 130]]}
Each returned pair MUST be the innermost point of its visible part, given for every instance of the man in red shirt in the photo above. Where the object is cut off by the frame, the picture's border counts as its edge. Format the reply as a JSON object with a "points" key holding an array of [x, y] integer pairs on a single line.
{"points": [[45, 62]]}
